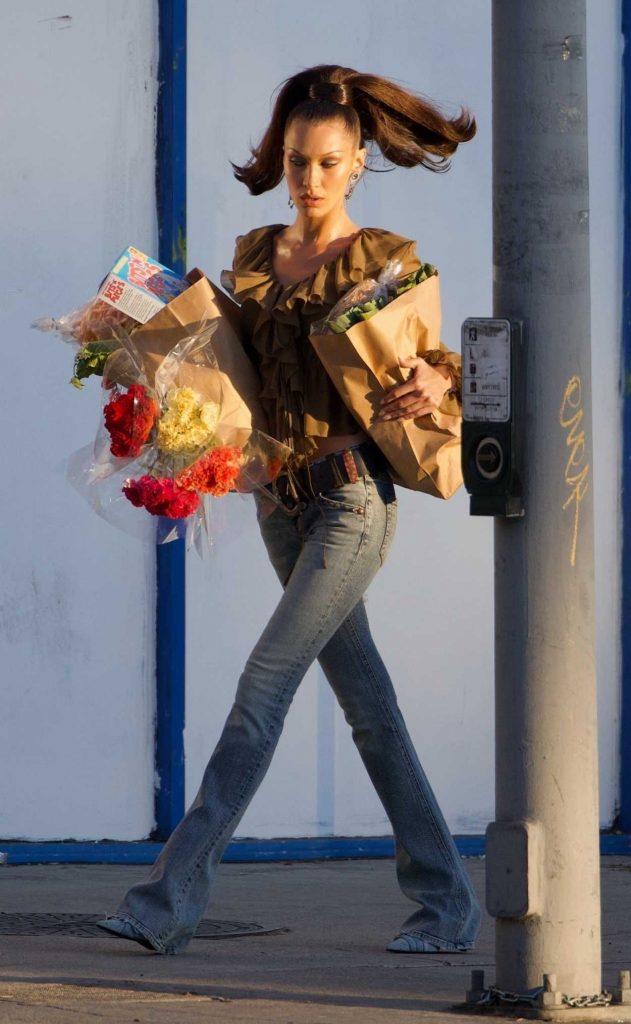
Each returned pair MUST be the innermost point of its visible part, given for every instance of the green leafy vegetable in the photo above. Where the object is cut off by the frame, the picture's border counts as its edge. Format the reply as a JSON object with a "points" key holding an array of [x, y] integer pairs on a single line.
{"points": [[355, 314], [91, 359]]}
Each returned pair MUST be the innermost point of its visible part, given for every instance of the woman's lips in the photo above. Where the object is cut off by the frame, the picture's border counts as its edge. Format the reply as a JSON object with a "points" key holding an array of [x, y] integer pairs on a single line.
{"points": [[311, 200]]}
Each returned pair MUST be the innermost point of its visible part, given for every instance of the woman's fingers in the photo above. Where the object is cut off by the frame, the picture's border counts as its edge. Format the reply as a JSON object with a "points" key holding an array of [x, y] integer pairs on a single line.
{"points": [[410, 412], [408, 407], [408, 403], [409, 390], [406, 400], [422, 393], [399, 390]]}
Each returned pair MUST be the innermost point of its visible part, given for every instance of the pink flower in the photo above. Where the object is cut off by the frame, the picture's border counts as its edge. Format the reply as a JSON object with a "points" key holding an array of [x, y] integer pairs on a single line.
{"points": [[161, 496]]}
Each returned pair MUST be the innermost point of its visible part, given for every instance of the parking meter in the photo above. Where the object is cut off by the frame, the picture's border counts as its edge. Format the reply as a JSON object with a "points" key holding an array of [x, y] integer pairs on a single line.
{"points": [[492, 415]]}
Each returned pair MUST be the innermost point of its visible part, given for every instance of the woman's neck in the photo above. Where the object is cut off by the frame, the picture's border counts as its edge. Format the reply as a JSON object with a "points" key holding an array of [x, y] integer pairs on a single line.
{"points": [[318, 235], [299, 250]]}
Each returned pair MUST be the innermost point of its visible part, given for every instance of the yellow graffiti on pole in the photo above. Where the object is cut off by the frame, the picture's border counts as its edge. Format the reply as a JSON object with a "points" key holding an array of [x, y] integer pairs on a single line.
{"points": [[576, 468]]}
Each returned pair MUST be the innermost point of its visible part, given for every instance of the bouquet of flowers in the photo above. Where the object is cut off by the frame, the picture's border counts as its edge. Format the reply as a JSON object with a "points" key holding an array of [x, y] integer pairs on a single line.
{"points": [[181, 422], [171, 439], [360, 343]]}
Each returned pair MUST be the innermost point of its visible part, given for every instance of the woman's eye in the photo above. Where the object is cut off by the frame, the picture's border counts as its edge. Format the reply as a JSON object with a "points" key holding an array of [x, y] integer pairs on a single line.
{"points": [[297, 162]]}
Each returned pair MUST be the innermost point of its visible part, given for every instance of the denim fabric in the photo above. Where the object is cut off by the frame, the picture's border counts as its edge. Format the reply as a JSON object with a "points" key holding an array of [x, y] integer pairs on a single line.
{"points": [[325, 558]]}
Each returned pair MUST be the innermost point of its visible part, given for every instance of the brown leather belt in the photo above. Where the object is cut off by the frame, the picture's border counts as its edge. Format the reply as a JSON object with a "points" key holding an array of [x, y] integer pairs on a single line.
{"points": [[329, 473]]}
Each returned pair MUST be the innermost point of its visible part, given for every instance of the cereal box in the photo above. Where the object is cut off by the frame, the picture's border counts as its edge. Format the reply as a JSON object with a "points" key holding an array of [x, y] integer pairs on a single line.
{"points": [[140, 286]]}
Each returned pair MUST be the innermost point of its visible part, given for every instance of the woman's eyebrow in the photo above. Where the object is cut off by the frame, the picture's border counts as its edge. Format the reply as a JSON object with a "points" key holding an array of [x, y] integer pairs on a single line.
{"points": [[331, 152]]}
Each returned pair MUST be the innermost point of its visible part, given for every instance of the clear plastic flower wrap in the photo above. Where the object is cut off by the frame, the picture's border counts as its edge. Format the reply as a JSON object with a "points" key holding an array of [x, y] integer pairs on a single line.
{"points": [[136, 288], [362, 300], [95, 329], [166, 449], [367, 298]]}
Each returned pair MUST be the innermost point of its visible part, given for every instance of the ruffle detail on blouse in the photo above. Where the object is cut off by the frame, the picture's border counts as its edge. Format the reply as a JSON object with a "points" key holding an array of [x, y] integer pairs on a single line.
{"points": [[252, 276], [297, 393]]}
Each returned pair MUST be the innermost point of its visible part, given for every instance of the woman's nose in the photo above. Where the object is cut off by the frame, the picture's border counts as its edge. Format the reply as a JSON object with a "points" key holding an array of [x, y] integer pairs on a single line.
{"points": [[312, 176]]}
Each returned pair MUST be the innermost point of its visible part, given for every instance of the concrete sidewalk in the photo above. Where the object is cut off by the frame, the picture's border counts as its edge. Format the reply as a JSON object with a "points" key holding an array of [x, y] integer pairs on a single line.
{"points": [[326, 963]]}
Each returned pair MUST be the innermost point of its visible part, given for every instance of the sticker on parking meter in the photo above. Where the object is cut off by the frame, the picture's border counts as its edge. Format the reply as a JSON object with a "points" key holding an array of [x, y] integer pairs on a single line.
{"points": [[486, 370]]}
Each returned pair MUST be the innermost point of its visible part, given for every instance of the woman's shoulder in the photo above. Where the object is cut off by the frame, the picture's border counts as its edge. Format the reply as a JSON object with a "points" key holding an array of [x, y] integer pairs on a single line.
{"points": [[251, 263], [384, 239], [379, 245], [255, 244]]}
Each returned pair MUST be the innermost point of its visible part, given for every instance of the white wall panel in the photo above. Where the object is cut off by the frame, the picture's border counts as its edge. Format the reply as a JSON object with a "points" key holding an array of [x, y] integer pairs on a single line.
{"points": [[76, 596]]}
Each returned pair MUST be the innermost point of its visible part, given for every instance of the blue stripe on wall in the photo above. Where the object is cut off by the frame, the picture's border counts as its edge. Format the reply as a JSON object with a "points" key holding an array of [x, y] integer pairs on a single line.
{"points": [[254, 850], [625, 717], [171, 557], [171, 135]]}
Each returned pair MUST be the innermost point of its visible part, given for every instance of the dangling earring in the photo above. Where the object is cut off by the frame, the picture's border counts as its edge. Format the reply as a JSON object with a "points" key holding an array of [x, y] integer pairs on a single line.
{"points": [[352, 181], [290, 203]]}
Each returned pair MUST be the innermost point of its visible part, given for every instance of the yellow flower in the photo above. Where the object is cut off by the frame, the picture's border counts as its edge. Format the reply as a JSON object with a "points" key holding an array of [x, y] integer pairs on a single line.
{"points": [[188, 423]]}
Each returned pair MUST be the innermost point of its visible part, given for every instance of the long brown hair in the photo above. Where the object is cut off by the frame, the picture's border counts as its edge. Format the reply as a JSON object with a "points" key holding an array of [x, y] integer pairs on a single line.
{"points": [[405, 128]]}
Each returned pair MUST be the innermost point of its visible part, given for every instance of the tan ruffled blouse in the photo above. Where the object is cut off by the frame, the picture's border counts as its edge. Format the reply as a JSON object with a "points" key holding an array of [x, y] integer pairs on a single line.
{"points": [[297, 394]]}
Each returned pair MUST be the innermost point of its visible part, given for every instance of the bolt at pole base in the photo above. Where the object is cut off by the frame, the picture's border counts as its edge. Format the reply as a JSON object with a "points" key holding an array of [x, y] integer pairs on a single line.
{"points": [[548, 1002], [475, 993]]}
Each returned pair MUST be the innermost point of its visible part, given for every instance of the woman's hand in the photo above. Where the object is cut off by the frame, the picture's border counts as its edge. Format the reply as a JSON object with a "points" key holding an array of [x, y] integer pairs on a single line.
{"points": [[420, 394]]}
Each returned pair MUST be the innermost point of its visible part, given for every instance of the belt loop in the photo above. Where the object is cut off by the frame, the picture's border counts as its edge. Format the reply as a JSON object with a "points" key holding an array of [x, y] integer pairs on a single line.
{"points": [[307, 471], [339, 479]]}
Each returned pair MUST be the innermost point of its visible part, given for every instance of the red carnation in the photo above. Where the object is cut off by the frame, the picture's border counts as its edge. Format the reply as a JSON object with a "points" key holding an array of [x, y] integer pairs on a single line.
{"points": [[215, 472], [129, 419], [161, 496]]}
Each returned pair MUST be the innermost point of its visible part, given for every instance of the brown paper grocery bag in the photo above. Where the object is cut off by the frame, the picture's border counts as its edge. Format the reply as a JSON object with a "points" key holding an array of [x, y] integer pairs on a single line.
{"points": [[239, 382], [423, 453]]}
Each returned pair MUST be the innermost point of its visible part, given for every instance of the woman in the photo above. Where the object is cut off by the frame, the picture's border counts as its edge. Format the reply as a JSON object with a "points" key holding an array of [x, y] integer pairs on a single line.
{"points": [[329, 523]]}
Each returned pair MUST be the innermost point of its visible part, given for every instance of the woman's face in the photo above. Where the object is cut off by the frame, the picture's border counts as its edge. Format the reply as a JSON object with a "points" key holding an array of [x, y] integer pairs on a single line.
{"points": [[318, 161]]}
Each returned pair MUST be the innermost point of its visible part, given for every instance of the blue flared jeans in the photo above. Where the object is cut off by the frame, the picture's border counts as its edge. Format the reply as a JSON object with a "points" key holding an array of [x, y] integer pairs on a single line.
{"points": [[325, 557]]}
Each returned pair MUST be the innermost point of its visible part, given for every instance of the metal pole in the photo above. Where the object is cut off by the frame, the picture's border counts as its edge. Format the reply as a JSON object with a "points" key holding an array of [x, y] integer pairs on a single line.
{"points": [[543, 864], [625, 710]]}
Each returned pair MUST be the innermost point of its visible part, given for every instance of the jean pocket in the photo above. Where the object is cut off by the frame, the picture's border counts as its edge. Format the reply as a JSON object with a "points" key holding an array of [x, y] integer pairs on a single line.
{"points": [[326, 502], [346, 498]]}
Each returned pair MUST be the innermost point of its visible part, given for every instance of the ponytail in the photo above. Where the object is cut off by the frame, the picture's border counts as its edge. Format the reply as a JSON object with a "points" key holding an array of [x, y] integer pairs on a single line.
{"points": [[407, 129]]}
